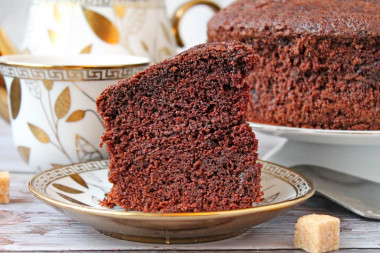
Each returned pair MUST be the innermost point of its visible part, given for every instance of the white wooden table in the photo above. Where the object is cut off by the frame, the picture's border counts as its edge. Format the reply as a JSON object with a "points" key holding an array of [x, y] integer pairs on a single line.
{"points": [[27, 224]]}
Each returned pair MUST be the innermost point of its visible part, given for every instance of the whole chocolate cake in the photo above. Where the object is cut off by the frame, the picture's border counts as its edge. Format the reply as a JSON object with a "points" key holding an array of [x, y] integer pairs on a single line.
{"points": [[319, 60], [177, 137]]}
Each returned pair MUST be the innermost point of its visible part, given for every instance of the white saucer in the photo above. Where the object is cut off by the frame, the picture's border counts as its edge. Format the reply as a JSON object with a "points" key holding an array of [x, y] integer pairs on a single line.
{"points": [[353, 152], [338, 137]]}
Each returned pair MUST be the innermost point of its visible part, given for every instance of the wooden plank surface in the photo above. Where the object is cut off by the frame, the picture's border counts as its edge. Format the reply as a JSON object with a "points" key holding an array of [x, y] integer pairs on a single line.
{"points": [[27, 224]]}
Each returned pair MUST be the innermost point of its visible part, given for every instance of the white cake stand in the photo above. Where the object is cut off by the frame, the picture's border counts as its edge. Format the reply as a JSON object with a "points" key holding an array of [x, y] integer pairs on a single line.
{"points": [[352, 152]]}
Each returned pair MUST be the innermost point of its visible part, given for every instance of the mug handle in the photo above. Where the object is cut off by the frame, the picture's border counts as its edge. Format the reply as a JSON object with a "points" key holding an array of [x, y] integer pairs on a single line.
{"points": [[179, 13]]}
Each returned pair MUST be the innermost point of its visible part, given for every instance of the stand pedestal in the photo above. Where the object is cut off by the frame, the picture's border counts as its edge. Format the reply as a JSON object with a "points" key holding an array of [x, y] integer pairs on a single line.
{"points": [[360, 161]]}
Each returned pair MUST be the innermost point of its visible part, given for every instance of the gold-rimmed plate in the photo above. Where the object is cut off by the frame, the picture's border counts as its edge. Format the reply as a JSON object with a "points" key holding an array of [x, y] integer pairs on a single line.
{"points": [[75, 190]]}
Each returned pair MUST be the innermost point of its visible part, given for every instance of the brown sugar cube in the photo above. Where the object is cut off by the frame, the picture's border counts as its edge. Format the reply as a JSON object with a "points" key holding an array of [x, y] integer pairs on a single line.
{"points": [[317, 233], [4, 187]]}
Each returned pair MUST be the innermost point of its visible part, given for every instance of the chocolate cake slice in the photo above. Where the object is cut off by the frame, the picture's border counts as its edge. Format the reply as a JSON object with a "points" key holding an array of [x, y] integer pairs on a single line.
{"points": [[177, 137]]}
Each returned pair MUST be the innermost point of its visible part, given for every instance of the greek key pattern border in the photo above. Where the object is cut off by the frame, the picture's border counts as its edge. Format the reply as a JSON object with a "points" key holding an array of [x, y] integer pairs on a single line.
{"points": [[300, 185], [41, 182], [70, 74]]}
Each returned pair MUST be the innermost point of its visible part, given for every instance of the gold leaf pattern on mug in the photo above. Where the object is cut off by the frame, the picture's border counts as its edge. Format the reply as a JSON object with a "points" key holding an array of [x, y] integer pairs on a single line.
{"points": [[167, 34], [40, 134], [57, 13], [85, 150], [77, 178], [145, 46], [62, 104], [167, 51], [76, 116], [4, 111], [135, 20], [24, 153], [67, 189], [48, 84], [71, 199], [120, 10], [55, 165], [15, 97], [2, 82], [53, 36], [34, 88], [86, 50], [102, 27]]}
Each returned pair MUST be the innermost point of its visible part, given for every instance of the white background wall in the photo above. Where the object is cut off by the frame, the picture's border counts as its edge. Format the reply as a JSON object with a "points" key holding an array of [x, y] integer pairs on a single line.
{"points": [[193, 27]]}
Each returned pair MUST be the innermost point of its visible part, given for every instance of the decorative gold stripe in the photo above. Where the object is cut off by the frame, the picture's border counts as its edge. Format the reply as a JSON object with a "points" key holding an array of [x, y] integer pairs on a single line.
{"points": [[70, 73], [11, 63]]}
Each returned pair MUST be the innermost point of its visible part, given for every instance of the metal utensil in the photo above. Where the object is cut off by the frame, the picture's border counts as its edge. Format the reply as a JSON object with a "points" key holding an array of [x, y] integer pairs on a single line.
{"points": [[355, 194]]}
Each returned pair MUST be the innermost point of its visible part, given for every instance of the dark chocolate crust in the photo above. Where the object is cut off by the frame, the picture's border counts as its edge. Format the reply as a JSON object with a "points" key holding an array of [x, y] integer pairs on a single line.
{"points": [[177, 137], [319, 61]]}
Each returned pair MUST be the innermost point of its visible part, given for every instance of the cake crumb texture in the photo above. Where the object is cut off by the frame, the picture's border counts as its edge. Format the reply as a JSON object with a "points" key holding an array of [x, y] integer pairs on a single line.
{"points": [[177, 137], [316, 233], [4, 187]]}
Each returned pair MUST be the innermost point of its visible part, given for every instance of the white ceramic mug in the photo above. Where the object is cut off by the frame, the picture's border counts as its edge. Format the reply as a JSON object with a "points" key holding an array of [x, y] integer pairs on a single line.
{"points": [[140, 28], [52, 104]]}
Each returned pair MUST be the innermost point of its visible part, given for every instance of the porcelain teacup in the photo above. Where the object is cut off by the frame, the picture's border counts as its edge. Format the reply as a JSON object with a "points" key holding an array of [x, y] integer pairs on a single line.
{"points": [[52, 104]]}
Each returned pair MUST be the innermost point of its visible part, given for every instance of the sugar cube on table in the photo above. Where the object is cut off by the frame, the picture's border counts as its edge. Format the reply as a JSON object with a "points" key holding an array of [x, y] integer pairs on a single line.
{"points": [[317, 233], [4, 187]]}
